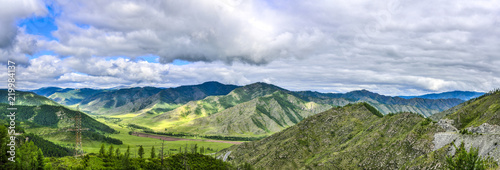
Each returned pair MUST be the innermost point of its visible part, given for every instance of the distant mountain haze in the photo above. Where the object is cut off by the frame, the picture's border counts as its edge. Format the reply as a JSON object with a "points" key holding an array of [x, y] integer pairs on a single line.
{"points": [[463, 95]]}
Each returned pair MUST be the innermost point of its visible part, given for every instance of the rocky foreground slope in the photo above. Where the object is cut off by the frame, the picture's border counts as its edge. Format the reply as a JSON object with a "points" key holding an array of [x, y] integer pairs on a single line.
{"points": [[352, 137]]}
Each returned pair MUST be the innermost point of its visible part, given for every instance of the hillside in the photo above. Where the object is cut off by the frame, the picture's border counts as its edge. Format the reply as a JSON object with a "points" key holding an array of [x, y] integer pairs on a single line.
{"points": [[26, 98], [350, 137], [54, 117], [47, 91], [484, 109], [462, 95], [157, 100], [131, 100], [385, 104], [475, 122], [261, 116], [73, 96], [159, 118]]}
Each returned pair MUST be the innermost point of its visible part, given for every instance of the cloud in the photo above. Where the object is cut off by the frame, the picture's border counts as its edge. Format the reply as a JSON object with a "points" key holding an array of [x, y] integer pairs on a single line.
{"points": [[12, 10], [48, 70], [13, 42], [391, 47], [228, 31]]}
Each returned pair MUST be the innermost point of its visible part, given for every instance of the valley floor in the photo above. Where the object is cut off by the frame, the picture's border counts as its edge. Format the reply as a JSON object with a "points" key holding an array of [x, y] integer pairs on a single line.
{"points": [[168, 138]]}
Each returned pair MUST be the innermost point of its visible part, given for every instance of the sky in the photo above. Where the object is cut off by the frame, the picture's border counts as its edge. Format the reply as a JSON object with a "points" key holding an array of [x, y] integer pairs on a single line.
{"points": [[392, 47]]}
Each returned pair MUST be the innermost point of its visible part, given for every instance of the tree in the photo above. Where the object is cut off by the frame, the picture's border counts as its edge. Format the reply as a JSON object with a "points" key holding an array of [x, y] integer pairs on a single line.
{"points": [[194, 149], [153, 152], [110, 151], [86, 159], [3, 147], [141, 152], [101, 151], [202, 150], [118, 154], [125, 159], [39, 158], [127, 153], [26, 157], [465, 160]]}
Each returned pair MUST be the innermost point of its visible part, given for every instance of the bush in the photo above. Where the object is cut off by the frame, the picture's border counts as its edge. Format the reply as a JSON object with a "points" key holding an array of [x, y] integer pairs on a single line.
{"points": [[465, 160]]}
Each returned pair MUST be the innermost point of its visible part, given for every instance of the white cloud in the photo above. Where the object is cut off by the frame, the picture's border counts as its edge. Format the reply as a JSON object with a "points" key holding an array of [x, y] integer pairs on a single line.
{"points": [[10, 11], [13, 42], [391, 47]]}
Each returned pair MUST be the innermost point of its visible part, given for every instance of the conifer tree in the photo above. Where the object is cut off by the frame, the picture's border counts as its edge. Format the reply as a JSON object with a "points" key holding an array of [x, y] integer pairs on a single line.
{"points": [[39, 157], [118, 154], [110, 151], [141, 152], [153, 155], [101, 151]]}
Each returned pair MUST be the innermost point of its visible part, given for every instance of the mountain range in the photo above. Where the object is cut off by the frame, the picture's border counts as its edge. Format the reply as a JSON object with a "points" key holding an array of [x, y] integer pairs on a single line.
{"points": [[462, 95], [354, 137], [297, 130], [210, 108], [44, 117]]}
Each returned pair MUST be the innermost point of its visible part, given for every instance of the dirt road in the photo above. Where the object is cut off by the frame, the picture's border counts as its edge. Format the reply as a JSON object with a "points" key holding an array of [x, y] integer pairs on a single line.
{"points": [[168, 138]]}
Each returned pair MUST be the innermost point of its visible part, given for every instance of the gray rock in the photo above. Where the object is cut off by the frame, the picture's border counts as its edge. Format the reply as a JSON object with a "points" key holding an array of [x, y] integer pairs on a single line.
{"points": [[486, 139], [446, 124], [485, 129]]}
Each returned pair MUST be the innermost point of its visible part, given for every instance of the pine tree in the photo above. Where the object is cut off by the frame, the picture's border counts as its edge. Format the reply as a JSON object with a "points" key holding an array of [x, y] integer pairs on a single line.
{"points": [[153, 152], [110, 151], [141, 152], [86, 159], [101, 151], [118, 154], [127, 153], [40, 158], [125, 159]]}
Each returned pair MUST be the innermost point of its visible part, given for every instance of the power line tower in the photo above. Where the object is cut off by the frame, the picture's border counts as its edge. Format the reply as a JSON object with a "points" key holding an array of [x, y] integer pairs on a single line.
{"points": [[78, 131]]}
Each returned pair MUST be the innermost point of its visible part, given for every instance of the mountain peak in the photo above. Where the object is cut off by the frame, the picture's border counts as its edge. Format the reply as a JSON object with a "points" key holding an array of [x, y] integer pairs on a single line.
{"points": [[360, 93], [212, 83], [263, 85]]}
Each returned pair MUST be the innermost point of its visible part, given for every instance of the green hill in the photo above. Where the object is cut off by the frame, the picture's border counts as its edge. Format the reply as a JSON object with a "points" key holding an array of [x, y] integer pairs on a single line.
{"points": [[159, 118], [351, 137], [385, 104], [26, 98], [131, 100], [53, 122], [73, 96], [156, 100], [47, 91], [55, 117], [261, 116], [484, 109]]}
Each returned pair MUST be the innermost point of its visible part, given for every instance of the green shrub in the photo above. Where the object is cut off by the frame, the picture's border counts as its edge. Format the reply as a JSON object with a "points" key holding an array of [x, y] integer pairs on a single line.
{"points": [[465, 160]]}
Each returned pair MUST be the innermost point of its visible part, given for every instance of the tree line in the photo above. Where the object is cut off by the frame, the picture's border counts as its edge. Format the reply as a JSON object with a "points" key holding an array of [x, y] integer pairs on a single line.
{"points": [[217, 137]]}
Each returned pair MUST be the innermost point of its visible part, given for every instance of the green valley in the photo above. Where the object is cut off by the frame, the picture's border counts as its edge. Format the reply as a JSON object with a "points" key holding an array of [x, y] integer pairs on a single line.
{"points": [[321, 130]]}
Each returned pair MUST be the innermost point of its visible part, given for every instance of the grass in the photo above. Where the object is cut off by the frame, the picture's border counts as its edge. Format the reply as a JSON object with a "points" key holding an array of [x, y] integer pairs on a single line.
{"points": [[65, 139]]}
